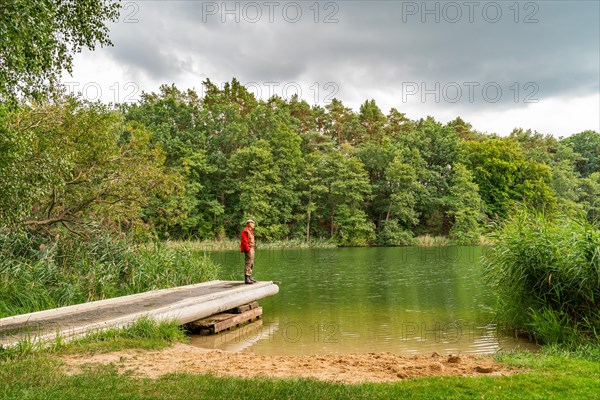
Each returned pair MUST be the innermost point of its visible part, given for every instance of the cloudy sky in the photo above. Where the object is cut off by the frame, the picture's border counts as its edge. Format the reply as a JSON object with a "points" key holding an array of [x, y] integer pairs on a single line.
{"points": [[498, 65]]}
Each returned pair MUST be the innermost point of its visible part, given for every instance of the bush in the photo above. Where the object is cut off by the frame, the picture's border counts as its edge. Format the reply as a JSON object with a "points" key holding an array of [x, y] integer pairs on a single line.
{"points": [[392, 234], [547, 273]]}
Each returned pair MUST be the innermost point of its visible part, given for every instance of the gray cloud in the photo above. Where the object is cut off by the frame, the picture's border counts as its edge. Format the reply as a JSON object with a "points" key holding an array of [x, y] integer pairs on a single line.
{"points": [[374, 47]]}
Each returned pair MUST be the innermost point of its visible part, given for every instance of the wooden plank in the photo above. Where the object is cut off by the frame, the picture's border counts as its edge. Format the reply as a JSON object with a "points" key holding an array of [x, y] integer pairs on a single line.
{"points": [[237, 319], [218, 322], [209, 322], [244, 308]]}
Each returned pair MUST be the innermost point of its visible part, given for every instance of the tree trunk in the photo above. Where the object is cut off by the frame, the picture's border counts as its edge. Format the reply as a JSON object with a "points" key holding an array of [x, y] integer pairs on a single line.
{"points": [[308, 222], [331, 228]]}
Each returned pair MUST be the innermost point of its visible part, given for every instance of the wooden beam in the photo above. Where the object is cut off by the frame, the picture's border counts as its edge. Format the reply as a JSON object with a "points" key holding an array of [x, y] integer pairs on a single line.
{"points": [[220, 322]]}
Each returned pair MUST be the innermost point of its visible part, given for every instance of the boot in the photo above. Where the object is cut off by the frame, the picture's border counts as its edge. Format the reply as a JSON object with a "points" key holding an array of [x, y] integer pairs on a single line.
{"points": [[252, 279], [248, 280]]}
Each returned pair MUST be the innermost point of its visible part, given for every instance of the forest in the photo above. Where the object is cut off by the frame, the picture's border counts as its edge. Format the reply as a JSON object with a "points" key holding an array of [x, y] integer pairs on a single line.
{"points": [[175, 165]]}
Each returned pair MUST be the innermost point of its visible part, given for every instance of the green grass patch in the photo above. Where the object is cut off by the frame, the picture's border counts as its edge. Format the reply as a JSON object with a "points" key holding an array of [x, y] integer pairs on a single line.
{"points": [[144, 333], [549, 375]]}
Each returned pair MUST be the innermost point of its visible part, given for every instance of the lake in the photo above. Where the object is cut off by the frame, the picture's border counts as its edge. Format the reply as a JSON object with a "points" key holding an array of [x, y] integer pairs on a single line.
{"points": [[404, 300]]}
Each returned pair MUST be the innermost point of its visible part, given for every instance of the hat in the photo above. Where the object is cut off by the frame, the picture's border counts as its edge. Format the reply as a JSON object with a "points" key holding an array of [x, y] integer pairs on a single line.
{"points": [[247, 222]]}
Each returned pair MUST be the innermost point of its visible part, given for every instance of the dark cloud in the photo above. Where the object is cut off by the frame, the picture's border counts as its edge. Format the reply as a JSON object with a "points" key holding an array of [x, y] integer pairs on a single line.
{"points": [[378, 46]]}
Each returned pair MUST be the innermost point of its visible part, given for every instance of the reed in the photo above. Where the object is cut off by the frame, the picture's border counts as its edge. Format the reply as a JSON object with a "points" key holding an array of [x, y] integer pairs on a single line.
{"points": [[37, 274], [546, 270], [231, 244]]}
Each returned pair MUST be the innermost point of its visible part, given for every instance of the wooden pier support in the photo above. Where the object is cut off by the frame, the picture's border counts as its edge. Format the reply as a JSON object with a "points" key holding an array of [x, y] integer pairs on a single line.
{"points": [[227, 320]]}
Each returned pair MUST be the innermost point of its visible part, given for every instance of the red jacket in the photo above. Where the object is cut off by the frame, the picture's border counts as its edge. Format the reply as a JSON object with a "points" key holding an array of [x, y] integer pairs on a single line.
{"points": [[247, 240]]}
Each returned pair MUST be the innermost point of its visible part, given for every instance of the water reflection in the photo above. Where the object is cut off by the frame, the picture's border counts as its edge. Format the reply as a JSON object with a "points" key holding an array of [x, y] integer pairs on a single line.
{"points": [[411, 300]]}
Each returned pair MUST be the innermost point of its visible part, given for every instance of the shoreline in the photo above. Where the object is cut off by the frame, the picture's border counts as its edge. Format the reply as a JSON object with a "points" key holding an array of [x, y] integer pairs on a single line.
{"points": [[346, 368], [233, 244]]}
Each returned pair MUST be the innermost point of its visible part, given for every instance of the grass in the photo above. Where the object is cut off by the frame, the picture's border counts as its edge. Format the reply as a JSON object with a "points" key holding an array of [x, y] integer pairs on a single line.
{"points": [[428, 240], [38, 273], [231, 244], [143, 333], [545, 376]]}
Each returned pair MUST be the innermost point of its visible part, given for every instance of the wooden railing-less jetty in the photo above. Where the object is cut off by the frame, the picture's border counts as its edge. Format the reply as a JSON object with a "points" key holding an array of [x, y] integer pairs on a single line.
{"points": [[184, 304]]}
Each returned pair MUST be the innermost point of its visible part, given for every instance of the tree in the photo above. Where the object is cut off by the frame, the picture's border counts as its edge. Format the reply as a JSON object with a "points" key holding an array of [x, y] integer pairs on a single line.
{"points": [[465, 207], [280, 130], [342, 124], [437, 149], [464, 130], [587, 144], [39, 38], [373, 120], [255, 184], [505, 176], [401, 214], [174, 118], [398, 124], [76, 164], [589, 197], [347, 183], [376, 159]]}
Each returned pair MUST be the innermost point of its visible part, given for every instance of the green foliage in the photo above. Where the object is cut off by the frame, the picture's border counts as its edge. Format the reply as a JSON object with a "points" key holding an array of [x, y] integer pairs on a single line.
{"points": [[177, 165], [314, 173], [345, 187], [39, 38], [464, 207], [547, 272], [587, 145], [392, 234], [404, 189], [38, 272], [75, 164], [589, 197], [506, 177]]}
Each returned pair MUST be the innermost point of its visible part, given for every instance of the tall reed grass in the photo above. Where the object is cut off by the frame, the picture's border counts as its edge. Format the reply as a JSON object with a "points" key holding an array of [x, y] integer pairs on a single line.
{"points": [[547, 273], [231, 244], [37, 273]]}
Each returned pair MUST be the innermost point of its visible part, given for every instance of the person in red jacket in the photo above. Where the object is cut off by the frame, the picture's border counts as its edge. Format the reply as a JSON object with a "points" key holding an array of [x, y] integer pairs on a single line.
{"points": [[247, 247]]}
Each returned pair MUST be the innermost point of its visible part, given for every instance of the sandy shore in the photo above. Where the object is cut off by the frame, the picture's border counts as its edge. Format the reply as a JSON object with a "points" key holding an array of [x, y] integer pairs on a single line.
{"points": [[348, 368]]}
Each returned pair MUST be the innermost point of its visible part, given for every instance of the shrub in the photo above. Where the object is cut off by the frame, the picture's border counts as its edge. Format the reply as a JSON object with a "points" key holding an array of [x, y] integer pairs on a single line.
{"points": [[392, 234]]}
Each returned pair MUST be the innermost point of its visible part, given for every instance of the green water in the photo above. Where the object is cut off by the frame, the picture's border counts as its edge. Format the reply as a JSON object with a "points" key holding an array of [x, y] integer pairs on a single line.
{"points": [[410, 300]]}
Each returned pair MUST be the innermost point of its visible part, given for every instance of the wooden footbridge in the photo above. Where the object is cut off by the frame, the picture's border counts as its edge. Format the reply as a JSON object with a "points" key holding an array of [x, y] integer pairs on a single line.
{"points": [[184, 304]]}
